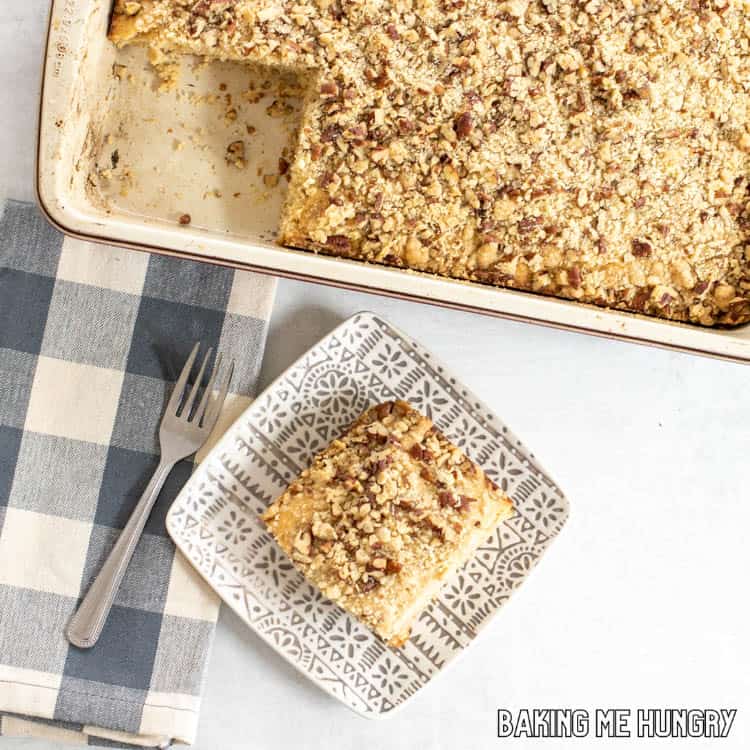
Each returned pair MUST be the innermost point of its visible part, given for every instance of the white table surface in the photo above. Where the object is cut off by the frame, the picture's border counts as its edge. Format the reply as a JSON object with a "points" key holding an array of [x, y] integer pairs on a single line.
{"points": [[643, 601]]}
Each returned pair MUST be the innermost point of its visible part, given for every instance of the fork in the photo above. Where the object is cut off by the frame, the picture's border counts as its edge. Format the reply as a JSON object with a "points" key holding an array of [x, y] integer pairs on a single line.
{"points": [[182, 432]]}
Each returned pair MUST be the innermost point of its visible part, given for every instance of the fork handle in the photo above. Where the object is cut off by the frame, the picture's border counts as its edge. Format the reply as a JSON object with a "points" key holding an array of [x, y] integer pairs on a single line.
{"points": [[87, 623]]}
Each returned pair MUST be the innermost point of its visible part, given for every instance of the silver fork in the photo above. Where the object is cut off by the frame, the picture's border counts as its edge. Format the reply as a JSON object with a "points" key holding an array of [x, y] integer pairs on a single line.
{"points": [[182, 432]]}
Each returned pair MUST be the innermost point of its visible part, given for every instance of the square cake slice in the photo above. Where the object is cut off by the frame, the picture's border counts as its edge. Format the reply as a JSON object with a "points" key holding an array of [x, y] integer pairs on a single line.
{"points": [[384, 514]]}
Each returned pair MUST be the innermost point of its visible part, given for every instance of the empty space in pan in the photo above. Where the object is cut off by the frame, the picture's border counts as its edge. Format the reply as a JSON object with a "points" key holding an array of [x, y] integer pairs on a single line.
{"points": [[208, 145]]}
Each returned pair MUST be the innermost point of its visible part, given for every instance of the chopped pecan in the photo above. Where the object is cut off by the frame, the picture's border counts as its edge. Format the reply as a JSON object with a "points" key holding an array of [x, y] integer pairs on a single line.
{"points": [[330, 133], [640, 299], [392, 566], [463, 125], [416, 451], [383, 410], [464, 502], [339, 242], [529, 224], [370, 584], [448, 500]]}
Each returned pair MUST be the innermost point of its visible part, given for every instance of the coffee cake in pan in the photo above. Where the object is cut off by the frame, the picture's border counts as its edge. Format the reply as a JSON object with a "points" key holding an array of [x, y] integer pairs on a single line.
{"points": [[595, 151]]}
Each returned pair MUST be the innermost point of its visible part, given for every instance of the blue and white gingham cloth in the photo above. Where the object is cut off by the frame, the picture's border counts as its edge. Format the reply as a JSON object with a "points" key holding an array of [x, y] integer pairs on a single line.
{"points": [[91, 339]]}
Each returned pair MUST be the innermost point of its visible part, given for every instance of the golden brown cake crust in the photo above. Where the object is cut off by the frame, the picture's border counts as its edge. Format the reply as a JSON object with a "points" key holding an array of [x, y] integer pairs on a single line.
{"points": [[384, 514], [592, 150]]}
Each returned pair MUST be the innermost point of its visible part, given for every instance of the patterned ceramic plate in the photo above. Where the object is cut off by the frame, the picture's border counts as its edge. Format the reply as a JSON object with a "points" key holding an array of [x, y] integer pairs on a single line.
{"points": [[214, 521]]}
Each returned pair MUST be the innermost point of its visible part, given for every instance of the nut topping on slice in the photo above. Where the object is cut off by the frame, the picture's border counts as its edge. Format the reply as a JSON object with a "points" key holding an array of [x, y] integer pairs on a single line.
{"points": [[382, 542]]}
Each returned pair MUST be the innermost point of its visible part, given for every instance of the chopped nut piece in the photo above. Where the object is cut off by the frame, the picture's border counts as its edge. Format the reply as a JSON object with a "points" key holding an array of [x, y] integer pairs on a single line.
{"points": [[236, 154], [464, 125], [302, 541], [329, 88], [641, 249], [339, 242]]}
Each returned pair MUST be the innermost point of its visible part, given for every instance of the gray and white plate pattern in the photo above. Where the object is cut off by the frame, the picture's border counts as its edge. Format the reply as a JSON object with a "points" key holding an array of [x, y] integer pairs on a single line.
{"points": [[215, 520]]}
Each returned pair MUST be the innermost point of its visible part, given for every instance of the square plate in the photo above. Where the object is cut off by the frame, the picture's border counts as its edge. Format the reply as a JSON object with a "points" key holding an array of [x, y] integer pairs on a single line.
{"points": [[215, 519]]}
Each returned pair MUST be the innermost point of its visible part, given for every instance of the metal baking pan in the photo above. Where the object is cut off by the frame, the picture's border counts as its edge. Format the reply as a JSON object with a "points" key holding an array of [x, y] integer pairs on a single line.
{"points": [[119, 163]]}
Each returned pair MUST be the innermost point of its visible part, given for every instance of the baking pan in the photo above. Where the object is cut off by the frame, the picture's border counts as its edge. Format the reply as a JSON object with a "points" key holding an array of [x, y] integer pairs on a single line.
{"points": [[120, 163]]}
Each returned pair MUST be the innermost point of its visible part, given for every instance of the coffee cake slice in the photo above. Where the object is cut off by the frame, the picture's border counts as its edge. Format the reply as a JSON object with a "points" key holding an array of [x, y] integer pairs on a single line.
{"points": [[384, 515]]}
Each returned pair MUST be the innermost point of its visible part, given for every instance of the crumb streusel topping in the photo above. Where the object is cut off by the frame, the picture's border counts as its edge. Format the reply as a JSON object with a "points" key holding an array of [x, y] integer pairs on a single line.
{"points": [[592, 150], [384, 514]]}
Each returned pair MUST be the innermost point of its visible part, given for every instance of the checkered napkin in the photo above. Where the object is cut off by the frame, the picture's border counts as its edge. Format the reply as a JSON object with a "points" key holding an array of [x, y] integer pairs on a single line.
{"points": [[91, 339]]}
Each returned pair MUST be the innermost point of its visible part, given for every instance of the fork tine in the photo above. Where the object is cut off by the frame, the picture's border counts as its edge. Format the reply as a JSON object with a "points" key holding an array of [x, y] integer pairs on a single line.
{"points": [[190, 400], [200, 411], [214, 408], [179, 386]]}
